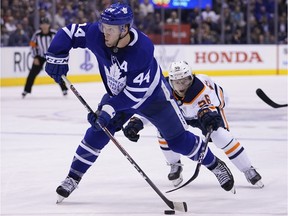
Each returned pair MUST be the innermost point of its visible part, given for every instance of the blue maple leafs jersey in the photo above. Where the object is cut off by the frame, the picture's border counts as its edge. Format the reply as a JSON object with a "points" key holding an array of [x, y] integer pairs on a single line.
{"points": [[130, 75]]}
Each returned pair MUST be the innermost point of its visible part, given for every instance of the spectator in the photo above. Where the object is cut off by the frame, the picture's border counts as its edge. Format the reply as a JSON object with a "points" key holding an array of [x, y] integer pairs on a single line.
{"points": [[71, 12], [146, 7], [148, 24], [237, 17], [4, 36], [173, 18], [27, 28], [282, 28], [262, 14], [209, 13], [18, 37], [237, 37], [10, 25], [44, 14], [208, 36], [68, 13], [59, 20], [158, 24], [194, 18], [228, 24]]}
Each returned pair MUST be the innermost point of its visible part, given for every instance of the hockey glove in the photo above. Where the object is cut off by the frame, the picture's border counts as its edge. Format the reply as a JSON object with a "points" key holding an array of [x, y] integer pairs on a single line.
{"points": [[194, 123], [209, 118], [132, 128], [106, 97], [56, 66], [101, 118]]}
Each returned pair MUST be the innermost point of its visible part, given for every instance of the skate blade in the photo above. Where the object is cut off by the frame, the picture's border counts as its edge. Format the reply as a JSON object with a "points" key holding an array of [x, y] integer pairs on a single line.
{"points": [[259, 184], [60, 199], [233, 190], [178, 181]]}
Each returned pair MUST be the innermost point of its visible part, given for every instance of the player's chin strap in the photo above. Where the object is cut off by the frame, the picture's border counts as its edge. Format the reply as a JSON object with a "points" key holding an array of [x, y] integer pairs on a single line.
{"points": [[115, 48], [179, 206]]}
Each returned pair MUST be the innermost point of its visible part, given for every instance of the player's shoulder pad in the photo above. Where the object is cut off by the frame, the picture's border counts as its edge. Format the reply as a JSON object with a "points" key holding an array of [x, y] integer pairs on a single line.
{"points": [[146, 44], [194, 90], [204, 77]]}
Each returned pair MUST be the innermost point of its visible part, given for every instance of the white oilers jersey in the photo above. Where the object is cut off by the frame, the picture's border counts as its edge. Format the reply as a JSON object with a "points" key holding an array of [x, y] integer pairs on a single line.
{"points": [[203, 91]]}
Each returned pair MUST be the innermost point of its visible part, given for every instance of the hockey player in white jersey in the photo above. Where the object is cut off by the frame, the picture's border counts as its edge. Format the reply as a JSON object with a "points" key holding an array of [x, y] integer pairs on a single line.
{"points": [[135, 85], [198, 95]]}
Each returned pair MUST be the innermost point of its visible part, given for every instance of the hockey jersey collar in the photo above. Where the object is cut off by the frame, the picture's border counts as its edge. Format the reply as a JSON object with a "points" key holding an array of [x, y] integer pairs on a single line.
{"points": [[135, 37]]}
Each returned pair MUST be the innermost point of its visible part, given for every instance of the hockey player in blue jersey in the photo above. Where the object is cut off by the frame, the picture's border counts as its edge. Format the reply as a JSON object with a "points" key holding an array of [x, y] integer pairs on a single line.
{"points": [[134, 85], [194, 94]]}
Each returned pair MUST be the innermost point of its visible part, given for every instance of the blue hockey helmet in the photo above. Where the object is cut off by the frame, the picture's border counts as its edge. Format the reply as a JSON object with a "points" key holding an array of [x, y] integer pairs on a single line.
{"points": [[117, 14]]}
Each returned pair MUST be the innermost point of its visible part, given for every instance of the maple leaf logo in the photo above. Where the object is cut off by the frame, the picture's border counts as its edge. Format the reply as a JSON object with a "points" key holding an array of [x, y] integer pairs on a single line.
{"points": [[115, 71], [115, 82], [124, 10]]}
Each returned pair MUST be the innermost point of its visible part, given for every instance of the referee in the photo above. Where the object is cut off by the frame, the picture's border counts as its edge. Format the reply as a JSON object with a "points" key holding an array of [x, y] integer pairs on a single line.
{"points": [[39, 43]]}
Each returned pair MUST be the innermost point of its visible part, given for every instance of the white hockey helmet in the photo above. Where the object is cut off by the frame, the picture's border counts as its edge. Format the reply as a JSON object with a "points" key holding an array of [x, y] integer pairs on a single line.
{"points": [[179, 70], [180, 77]]}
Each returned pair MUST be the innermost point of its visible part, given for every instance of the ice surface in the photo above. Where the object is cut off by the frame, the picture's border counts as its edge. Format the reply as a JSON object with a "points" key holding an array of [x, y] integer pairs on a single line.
{"points": [[40, 133]]}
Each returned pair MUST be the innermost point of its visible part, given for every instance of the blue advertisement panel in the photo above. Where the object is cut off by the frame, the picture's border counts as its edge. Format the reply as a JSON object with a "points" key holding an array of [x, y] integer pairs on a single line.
{"points": [[183, 4]]}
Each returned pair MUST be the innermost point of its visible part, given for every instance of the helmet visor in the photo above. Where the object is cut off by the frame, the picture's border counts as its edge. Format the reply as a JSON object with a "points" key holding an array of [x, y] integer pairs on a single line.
{"points": [[109, 29], [181, 85]]}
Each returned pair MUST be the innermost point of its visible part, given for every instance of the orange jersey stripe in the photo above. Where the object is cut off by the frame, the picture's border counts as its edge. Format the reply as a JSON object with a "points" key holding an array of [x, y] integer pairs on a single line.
{"points": [[162, 142], [233, 148]]}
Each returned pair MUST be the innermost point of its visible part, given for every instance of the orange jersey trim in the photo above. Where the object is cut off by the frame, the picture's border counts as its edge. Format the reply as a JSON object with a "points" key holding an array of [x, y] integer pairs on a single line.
{"points": [[233, 148]]}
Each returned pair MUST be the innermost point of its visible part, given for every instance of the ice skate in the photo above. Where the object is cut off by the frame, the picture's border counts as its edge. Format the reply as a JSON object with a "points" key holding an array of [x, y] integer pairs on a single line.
{"points": [[66, 188], [24, 93], [175, 175], [65, 92], [224, 176], [254, 177]]}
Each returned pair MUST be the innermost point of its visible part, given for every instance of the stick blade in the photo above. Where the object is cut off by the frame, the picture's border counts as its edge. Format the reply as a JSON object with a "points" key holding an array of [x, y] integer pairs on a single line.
{"points": [[180, 206], [267, 100]]}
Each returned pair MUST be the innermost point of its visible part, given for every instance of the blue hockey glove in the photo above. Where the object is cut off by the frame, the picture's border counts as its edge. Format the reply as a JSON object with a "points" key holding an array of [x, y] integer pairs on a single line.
{"points": [[132, 128], [56, 66], [101, 118], [106, 97], [92, 117], [209, 118]]}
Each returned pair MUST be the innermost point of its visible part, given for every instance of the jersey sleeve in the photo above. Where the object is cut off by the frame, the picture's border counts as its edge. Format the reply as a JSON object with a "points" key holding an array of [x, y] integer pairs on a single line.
{"points": [[71, 36], [214, 91]]}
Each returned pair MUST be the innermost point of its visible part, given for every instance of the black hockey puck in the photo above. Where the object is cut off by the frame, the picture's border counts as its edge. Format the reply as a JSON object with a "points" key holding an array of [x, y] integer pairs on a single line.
{"points": [[169, 212]]}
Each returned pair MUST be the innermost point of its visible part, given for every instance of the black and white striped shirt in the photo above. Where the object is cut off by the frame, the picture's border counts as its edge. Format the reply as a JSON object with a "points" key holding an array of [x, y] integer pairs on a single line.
{"points": [[40, 42]]}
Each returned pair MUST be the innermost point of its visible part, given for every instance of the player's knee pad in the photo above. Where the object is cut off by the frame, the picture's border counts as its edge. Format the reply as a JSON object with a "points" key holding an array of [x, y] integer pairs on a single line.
{"points": [[97, 138], [184, 143]]}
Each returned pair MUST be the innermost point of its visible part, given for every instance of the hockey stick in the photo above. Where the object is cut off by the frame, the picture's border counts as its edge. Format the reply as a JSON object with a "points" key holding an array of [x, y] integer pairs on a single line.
{"points": [[179, 206], [267, 100], [199, 163]]}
